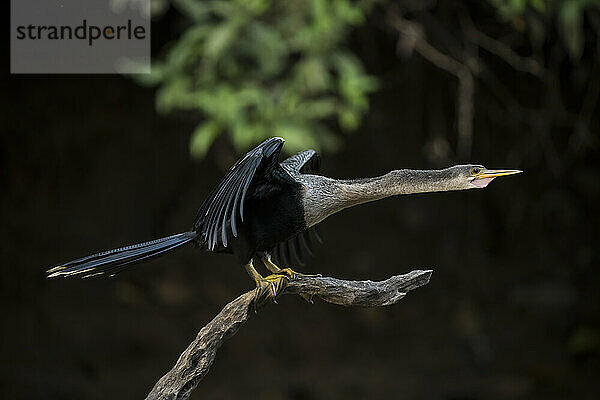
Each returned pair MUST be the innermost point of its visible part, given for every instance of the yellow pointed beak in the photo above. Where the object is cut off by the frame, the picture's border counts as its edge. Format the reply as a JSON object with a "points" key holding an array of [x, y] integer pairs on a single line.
{"points": [[483, 178], [494, 173]]}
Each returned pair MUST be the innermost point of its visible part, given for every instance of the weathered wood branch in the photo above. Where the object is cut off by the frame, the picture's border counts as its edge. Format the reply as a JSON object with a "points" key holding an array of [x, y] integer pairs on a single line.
{"points": [[194, 363]]}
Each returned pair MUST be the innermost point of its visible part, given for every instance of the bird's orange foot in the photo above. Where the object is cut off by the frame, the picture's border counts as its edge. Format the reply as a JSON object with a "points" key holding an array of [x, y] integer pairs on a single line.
{"points": [[268, 288], [290, 273]]}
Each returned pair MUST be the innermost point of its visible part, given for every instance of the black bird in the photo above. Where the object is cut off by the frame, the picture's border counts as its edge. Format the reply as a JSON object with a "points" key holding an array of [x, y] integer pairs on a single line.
{"points": [[264, 207]]}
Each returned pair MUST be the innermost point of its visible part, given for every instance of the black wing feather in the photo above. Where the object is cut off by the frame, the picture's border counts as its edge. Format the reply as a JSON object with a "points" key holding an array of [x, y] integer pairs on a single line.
{"points": [[213, 218], [231, 205], [235, 206], [306, 244], [315, 231], [297, 249]]}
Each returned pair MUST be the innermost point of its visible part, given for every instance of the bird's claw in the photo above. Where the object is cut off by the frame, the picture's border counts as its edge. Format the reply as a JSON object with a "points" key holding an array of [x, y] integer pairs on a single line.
{"points": [[269, 288], [307, 297], [290, 273]]}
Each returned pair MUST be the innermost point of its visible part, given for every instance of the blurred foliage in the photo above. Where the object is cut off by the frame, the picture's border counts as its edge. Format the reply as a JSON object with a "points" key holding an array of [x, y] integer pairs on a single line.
{"points": [[569, 15], [257, 68]]}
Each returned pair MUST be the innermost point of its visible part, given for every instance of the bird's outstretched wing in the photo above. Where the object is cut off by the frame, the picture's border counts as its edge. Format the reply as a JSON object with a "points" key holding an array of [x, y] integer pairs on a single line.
{"points": [[220, 210], [307, 161], [298, 247]]}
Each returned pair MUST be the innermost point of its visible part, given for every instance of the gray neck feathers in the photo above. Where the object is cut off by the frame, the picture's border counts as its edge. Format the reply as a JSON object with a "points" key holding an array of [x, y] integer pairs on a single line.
{"points": [[326, 196]]}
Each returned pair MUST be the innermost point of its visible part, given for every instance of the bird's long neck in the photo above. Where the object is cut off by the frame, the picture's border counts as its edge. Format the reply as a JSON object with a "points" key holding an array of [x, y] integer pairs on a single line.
{"points": [[326, 196]]}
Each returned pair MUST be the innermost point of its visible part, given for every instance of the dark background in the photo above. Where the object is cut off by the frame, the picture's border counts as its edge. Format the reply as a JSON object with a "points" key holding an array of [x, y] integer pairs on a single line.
{"points": [[512, 310]]}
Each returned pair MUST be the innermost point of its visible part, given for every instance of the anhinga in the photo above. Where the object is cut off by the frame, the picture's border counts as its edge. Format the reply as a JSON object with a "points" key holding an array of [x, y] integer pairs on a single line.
{"points": [[263, 204]]}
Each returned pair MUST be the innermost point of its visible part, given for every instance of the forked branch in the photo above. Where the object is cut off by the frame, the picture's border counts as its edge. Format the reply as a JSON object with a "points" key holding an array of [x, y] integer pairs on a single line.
{"points": [[194, 363]]}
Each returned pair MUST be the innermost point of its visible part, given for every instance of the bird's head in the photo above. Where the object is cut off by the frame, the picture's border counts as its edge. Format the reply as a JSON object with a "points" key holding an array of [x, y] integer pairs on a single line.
{"points": [[472, 176]]}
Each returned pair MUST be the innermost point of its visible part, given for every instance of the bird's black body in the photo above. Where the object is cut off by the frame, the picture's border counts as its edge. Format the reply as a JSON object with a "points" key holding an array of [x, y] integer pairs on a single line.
{"points": [[273, 213]]}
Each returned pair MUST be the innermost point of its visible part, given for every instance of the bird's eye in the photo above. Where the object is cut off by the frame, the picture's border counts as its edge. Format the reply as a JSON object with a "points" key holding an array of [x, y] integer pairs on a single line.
{"points": [[475, 170]]}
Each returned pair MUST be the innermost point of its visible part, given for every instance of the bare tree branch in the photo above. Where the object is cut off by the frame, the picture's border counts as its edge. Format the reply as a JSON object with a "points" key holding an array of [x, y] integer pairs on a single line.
{"points": [[195, 362], [466, 111], [413, 38], [519, 63]]}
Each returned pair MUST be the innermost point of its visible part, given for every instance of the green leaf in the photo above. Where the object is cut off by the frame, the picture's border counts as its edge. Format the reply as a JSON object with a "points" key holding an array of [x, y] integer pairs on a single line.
{"points": [[571, 24], [348, 119], [196, 10], [202, 138], [219, 39], [156, 75], [317, 109], [312, 75]]}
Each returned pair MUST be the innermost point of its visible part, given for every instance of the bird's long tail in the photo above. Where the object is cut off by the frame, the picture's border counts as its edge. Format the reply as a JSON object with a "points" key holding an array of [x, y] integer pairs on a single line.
{"points": [[113, 261]]}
